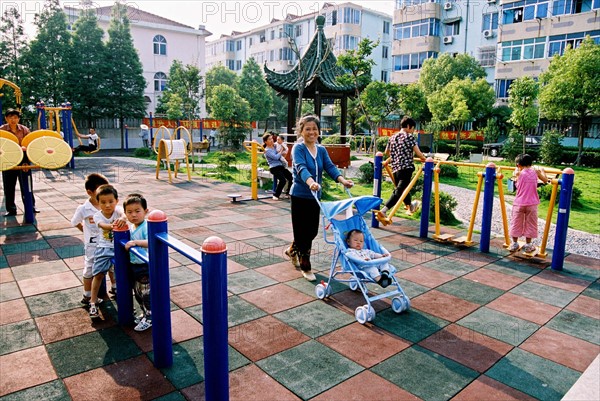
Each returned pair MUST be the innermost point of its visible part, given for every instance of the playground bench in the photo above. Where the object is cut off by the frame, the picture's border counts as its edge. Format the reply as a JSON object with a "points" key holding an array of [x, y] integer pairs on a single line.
{"points": [[264, 176]]}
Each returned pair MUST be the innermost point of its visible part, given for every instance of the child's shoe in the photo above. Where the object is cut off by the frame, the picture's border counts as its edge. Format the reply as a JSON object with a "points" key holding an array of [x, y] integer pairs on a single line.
{"points": [[528, 248], [513, 247], [414, 206], [385, 279], [94, 314], [144, 324]]}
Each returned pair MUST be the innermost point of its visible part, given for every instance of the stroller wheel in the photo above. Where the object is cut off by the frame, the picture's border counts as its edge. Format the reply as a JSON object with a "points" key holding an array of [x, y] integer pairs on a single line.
{"points": [[371, 314], [353, 285], [400, 304], [362, 314], [322, 291]]}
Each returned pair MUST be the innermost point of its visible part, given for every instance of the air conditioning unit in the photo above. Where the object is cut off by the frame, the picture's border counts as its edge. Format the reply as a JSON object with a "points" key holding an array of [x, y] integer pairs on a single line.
{"points": [[447, 5], [448, 40], [290, 62], [488, 33], [491, 1]]}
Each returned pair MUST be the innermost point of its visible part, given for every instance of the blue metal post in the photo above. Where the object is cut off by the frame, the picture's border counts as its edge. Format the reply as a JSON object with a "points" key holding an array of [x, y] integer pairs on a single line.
{"points": [[214, 314], [151, 131], [27, 178], [562, 220], [158, 257], [200, 124], [42, 113], [124, 297], [68, 129], [488, 206], [377, 184], [426, 201], [126, 138]]}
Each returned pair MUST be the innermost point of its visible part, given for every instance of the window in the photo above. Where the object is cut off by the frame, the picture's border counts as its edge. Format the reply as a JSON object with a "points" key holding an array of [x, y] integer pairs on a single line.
{"points": [[487, 56], [262, 38], [351, 16], [286, 31], [330, 18], [238, 45], [347, 42], [384, 51], [286, 54], [230, 46], [238, 65], [231, 64], [490, 22], [424, 27], [502, 87], [386, 27], [272, 34], [298, 30], [384, 76], [526, 49], [528, 10], [557, 44], [407, 3], [412, 61], [160, 45], [160, 81], [452, 29], [249, 42]]}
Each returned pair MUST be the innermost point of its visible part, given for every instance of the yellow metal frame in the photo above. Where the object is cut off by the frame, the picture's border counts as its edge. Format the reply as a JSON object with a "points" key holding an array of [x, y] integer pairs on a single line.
{"points": [[165, 150], [16, 89], [255, 149]]}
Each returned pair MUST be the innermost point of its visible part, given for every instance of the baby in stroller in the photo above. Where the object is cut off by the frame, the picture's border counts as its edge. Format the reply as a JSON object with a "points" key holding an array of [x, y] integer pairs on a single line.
{"points": [[355, 239]]}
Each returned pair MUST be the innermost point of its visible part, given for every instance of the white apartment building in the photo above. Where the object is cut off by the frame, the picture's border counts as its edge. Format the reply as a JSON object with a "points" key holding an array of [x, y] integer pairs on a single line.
{"points": [[159, 41], [346, 25]]}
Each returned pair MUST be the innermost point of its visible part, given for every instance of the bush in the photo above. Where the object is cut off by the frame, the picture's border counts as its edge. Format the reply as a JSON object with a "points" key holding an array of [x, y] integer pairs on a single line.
{"points": [[224, 160], [589, 159], [447, 206], [366, 173], [143, 152], [448, 170], [551, 151], [466, 150], [382, 143], [331, 140], [545, 193]]}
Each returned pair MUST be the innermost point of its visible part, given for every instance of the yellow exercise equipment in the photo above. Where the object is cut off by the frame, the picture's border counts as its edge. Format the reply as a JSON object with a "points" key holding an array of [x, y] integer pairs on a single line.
{"points": [[171, 149], [255, 149], [10, 151]]}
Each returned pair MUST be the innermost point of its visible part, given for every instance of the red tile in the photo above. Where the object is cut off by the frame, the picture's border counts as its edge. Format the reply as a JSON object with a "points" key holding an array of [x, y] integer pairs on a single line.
{"points": [[494, 279], [14, 311], [187, 295], [472, 258], [184, 327], [560, 280], [24, 369], [468, 347], [364, 345], [75, 263], [248, 383], [586, 306], [486, 388], [443, 305], [366, 386], [6, 276], [413, 256], [428, 277], [524, 308], [586, 261], [234, 267], [26, 258], [276, 298], [71, 323], [561, 348], [282, 272], [64, 241], [349, 300], [50, 283], [264, 337], [244, 234], [133, 379]]}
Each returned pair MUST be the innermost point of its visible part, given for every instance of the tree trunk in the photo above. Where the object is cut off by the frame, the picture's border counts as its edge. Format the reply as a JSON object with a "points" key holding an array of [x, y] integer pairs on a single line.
{"points": [[580, 135], [458, 141], [122, 125]]}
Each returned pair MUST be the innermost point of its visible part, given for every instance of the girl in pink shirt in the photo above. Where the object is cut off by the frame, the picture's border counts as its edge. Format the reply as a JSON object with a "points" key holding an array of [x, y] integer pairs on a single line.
{"points": [[524, 217]]}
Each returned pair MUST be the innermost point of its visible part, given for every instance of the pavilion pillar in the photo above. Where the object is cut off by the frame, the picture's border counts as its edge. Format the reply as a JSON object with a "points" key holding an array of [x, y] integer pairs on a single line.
{"points": [[291, 118], [344, 117]]}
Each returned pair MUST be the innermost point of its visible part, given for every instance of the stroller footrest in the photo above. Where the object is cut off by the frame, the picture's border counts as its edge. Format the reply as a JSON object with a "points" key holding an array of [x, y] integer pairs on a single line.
{"points": [[385, 295]]}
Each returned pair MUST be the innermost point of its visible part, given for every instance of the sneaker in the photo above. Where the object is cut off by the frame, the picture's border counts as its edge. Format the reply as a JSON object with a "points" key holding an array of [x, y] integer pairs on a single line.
{"points": [[528, 248], [414, 206], [143, 325], [513, 247], [309, 275], [94, 314], [85, 300], [385, 279], [293, 257], [275, 198]]}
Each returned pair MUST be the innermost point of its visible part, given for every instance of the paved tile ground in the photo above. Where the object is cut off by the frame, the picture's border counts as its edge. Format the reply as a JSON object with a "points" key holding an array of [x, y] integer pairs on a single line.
{"points": [[481, 327]]}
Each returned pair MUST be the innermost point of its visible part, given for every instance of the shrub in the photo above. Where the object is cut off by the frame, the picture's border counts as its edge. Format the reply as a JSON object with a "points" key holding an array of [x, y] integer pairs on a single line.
{"points": [[366, 173], [545, 193], [448, 170], [447, 206], [143, 152], [224, 160], [331, 140], [590, 159], [466, 150], [551, 151], [382, 143]]}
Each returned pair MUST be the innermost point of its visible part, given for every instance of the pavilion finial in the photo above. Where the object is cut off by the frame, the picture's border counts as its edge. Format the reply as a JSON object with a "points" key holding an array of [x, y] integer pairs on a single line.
{"points": [[320, 20]]}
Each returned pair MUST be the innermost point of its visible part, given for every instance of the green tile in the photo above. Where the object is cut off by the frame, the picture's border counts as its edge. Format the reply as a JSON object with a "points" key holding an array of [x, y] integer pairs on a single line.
{"points": [[3, 262], [53, 302], [183, 275], [498, 325], [411, 289], [577, 325], [9, 291], [238, 311], [23, 247], [533, 375], [89, 351], [71, 251], [266, 243], [52, 391], [593, 290], [400, 264], [315, 318], [248, 280], [27, 228], [471, 291], [188, 363], [258, 258], [450, 266], [18, 336], [426, 374], [412, 325], [308, 287], [435, 248], [309, 368], [545, 293], [174, 396], [509, 266], [578, 271]]}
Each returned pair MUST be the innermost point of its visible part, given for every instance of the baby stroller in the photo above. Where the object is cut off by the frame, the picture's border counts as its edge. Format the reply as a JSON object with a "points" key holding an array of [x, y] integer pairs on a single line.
{"points": [[350, 268]]}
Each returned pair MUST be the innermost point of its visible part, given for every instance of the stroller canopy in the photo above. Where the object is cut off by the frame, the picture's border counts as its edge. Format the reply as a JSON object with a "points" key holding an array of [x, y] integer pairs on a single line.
{"points": [[363, 205]]}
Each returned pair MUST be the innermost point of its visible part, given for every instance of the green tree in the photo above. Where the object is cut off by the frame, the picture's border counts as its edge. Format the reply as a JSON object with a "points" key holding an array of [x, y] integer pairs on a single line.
{"points": [[412, 101], [87, 76], [571, 85], [459, 102], [127, 84], [219, 75], [12, 45], [439, 72], [234, 111], [379, 100], [522, 98], [184, 88], [253, 87], [46, 60], [279, 109]]}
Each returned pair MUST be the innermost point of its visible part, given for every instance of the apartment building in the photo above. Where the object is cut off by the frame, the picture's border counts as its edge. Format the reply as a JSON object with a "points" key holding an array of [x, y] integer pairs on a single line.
{"points": [[346, 24], [159, 41]]}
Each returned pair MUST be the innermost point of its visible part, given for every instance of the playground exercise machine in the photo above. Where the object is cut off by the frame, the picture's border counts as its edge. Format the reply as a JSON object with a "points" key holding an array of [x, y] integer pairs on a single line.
{"points": [[255, 149], [172, 150], [379, 215], [15, 89]]}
